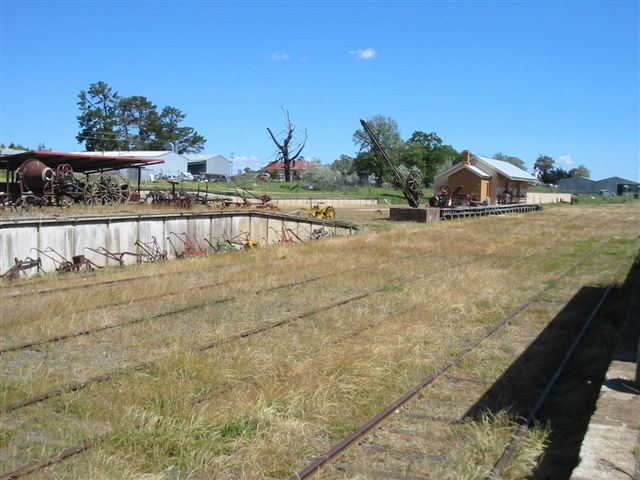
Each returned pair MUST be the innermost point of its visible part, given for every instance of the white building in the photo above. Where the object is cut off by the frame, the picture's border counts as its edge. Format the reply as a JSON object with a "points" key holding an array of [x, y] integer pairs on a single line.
{"points": [[213, 166], [174, 163]]}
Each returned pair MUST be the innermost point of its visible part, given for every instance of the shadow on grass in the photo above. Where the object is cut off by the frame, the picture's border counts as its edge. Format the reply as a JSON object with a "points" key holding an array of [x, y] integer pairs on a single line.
{"points": [[568, 409]]}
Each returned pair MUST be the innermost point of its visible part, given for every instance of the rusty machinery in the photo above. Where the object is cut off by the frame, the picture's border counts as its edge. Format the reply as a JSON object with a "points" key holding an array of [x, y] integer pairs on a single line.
{"points": [[22, 266], [412, 185], [63, 264], [148, 252], [444, 197], [189, 247], [242, 241], [40, 185]]}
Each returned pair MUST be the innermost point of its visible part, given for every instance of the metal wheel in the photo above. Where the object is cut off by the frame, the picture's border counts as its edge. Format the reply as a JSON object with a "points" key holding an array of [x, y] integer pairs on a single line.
{"points": [[414, 182], [106, 189]]}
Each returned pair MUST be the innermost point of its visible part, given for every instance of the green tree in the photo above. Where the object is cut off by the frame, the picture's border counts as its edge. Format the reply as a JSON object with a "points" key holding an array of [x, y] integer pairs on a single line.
{"points": [[138, 122], [14, 146], [426, 152], [517, 161], [110, 122], [543, 168], [98, 118], [168, 129], [368, 162], [580, 171], [344, 164]]}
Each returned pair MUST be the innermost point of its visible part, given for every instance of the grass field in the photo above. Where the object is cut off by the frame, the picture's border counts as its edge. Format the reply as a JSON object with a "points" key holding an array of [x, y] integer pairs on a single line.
{"points": [[259, 406]]}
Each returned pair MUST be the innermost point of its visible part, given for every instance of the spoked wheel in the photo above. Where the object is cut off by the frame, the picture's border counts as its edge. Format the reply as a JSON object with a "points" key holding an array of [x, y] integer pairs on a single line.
{"points": [[414, 182], [107, 189]]}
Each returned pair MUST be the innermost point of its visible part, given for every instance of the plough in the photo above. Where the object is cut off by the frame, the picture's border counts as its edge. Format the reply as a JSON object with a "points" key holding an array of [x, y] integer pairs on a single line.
{"points": [[189, 248], [22, 266], [63, 264]]}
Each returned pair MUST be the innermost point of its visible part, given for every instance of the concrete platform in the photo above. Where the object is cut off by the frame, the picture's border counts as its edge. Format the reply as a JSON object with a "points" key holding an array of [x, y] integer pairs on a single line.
{"points": [[434, 214], [611, 446], [408, 214]]}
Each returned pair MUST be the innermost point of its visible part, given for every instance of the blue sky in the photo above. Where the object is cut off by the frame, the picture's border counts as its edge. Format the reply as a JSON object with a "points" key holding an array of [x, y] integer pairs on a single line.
{"points": [[522, 78]]}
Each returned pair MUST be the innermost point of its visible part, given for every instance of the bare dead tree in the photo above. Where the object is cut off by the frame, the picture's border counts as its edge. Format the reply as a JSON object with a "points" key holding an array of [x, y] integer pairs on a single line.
{"points": [[285, 147]]}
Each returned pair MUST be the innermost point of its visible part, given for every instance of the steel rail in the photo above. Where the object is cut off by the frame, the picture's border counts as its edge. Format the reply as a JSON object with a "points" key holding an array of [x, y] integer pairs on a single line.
{"points": [[105, 283], [523, 429], [134, 321], [86, 445], [201, 398], [314, 466], [85, 332], [7, 407], [74, 387], [155, 316], [56, 458]]}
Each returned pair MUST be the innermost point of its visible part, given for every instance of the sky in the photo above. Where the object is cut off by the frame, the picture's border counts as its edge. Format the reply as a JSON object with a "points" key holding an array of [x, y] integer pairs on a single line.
{"points": [[522, 78]]}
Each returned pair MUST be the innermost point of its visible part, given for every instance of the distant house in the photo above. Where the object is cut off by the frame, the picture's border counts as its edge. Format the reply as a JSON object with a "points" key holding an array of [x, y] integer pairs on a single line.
{"points": [[485, 179], [611, 185], [213, 166], [297, 168]]}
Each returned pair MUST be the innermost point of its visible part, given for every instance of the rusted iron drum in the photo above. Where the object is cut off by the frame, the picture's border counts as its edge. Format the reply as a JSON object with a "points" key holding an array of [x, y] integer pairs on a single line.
{"points": [[35, 175]]}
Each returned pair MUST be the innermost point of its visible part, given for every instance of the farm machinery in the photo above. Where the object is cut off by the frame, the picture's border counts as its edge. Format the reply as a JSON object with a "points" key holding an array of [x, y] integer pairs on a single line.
{"points": [[411, 186], [321, 213], [39, 185]]}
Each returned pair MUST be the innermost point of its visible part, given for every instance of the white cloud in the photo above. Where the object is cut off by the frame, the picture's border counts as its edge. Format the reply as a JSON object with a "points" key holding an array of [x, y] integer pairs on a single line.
{"points": [[280, 56], [566, 159], [364, 53]]}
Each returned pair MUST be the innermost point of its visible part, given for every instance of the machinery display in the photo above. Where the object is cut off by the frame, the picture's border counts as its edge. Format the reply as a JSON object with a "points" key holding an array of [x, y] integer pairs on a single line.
{"points": [[39, 185], [412, 185]]}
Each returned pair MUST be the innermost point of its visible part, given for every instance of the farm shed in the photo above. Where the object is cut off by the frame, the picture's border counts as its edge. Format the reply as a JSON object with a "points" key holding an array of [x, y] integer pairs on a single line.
{"points": [[171, 163], [611, 185], [80, 163], [483, 178], [213, 166]]}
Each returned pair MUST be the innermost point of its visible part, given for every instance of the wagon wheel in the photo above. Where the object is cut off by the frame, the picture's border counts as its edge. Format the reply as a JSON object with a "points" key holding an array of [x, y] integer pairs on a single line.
{"points": [[107, 188], [91, 193], [116, 188], [414, 182]]}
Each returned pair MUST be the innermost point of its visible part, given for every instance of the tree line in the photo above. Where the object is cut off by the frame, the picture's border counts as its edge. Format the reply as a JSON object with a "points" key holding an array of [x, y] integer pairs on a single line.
{"points": [[109, 121], [428, 153]]}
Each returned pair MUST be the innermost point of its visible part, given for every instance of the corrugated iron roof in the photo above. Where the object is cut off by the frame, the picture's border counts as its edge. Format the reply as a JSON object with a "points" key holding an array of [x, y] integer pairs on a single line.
{"points": [[134, 153], [477, 171], [80, 162], [508, 169]]}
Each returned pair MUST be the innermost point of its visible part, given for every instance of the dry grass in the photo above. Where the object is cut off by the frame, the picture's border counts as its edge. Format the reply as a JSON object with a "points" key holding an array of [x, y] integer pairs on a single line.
{"points": [[260, 406]]}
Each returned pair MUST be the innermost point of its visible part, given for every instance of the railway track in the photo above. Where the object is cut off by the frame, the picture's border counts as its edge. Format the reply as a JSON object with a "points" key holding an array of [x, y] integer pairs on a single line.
{"points": [[160, 315], [76, 386], [397, 435], [27, 290], [90, 331], [90, 443]]}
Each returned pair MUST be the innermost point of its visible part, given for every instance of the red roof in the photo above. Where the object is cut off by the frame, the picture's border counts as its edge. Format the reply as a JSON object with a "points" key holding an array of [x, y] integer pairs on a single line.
{"points": [[299, 165], [80, 162]]}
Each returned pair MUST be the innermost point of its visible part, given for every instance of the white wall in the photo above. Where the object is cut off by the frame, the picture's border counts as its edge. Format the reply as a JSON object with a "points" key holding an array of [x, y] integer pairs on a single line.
{"points": [[70, 237], [539, 197]]}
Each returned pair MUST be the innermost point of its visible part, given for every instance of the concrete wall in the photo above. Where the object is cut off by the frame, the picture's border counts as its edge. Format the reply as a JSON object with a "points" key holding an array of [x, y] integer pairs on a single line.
{"points": [[538, 197], [119, 233]]}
